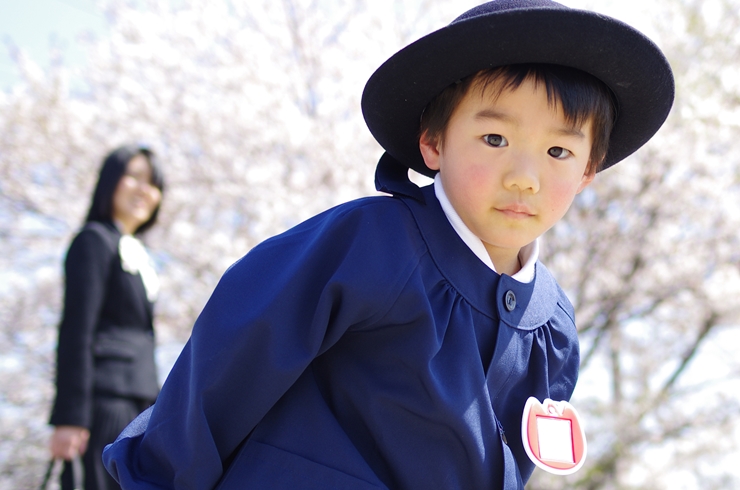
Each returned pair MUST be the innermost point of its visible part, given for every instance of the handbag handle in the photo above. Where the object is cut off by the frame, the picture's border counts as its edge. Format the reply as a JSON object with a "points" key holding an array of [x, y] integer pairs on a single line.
{"points": [[76, 473]]}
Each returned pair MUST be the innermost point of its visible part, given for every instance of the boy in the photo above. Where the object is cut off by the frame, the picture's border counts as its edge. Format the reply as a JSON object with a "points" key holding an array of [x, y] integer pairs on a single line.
{"points": [[392, 342]]}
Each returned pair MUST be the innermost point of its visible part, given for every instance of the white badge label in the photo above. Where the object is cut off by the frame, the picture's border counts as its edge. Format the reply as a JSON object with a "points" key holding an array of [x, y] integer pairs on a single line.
{"points": [[553, 436]]}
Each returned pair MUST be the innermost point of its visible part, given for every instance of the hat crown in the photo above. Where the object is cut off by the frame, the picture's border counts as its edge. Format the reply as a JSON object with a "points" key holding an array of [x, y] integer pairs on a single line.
{"points": [[506, 5]]}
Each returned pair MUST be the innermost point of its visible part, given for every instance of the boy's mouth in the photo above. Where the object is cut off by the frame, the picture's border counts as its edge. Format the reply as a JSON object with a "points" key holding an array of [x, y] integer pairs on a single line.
{"points": [[517, 211]]}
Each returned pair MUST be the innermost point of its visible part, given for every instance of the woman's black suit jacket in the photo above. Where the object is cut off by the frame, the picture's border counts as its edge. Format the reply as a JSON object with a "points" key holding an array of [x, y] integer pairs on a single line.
{"points": [[106, 339]]}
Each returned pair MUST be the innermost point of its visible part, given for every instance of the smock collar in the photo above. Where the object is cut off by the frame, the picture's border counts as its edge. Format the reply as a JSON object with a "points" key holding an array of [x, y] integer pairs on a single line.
{"points": [[520, 305]]}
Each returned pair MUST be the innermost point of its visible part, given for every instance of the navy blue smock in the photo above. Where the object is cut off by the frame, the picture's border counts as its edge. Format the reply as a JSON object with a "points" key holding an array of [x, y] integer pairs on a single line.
{"points": [[367, 347]]}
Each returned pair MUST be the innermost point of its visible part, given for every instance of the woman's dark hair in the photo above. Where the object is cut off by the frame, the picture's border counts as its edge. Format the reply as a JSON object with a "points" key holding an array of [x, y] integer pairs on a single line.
{"points": [[582, 96], [113, 168]]}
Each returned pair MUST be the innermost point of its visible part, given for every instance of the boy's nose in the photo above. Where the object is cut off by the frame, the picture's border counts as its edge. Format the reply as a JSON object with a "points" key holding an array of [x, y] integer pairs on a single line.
{"points": [[522, 175]]}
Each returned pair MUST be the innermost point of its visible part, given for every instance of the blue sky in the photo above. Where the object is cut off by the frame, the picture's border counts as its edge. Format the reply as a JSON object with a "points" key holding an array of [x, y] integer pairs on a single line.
{"points": [[33, 25]]}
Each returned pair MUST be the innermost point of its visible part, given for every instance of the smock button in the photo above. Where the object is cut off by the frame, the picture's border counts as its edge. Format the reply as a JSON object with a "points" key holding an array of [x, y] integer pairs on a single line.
{"points": [[510, 300]]}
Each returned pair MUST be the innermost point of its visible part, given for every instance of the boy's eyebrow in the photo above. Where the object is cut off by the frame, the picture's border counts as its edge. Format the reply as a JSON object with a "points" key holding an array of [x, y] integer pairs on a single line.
{"points": [[570, 131], [489, 113]]}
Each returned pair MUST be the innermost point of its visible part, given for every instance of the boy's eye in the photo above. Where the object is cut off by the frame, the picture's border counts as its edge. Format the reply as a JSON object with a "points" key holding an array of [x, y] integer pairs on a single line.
{"points": [[558, 152], [495, 140]]}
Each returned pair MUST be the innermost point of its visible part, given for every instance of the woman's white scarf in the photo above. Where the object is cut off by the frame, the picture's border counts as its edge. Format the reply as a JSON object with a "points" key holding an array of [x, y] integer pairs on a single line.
{"points": [[135, 259]]}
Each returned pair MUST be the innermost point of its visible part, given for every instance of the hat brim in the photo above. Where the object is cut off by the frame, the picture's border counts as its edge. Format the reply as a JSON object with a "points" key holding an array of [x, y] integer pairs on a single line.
{"points": [[629, 63]]}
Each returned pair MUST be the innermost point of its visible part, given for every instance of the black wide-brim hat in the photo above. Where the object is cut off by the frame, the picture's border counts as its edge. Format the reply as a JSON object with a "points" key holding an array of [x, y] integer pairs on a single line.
{"points": [[505, 32]]}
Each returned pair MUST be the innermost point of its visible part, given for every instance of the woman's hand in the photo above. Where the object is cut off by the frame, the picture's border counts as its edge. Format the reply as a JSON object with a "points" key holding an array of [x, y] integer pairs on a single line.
{"points": [[67, 441]]}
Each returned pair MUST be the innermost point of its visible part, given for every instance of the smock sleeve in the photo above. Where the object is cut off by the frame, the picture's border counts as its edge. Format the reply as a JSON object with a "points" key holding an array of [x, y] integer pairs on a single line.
{"points": [[272, 313]]}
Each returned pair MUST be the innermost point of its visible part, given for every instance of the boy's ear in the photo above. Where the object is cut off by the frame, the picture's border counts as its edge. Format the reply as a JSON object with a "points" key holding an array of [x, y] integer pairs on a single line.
{"points": [[429, 151], [587, 178]]}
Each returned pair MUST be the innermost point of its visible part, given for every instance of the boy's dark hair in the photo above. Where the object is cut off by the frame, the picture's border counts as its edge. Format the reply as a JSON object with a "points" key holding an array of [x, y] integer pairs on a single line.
{"points": [[113, 168], [583, 98]]}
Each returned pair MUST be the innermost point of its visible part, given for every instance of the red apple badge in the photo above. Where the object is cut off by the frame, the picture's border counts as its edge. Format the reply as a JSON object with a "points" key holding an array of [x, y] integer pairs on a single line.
{"points": [[553, 436]]}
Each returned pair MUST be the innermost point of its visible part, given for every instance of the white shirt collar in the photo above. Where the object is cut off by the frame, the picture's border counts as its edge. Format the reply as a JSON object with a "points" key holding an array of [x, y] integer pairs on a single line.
{"points": [[528, 254], [135, 260]]}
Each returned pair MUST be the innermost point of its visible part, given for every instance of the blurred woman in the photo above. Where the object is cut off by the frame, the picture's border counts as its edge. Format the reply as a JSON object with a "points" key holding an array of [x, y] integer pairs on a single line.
{"points": [[106, 373]]}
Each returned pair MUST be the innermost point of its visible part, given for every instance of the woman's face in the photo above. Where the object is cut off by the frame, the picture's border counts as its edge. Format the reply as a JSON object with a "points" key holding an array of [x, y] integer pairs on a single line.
{"points": [[135, 198]]}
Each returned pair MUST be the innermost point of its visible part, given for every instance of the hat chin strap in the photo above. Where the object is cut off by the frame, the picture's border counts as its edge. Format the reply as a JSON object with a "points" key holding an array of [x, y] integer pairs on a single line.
{"points": [[392, 176]]}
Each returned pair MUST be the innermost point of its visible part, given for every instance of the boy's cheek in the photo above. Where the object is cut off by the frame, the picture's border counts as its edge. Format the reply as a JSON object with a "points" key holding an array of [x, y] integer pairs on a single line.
{"points": [[563, 200], [478, 176]]}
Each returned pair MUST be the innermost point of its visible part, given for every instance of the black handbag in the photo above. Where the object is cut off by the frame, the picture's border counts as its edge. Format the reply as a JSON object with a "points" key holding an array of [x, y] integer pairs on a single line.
{"points": [[76, 473]]}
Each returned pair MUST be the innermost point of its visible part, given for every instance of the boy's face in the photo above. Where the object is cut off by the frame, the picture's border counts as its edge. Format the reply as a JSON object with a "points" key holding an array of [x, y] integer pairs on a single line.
{"points": [[510, 165]]}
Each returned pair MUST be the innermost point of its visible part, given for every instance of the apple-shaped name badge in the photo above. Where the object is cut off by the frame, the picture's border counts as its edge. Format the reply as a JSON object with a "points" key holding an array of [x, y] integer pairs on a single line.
{"points": [[553, 436]]}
